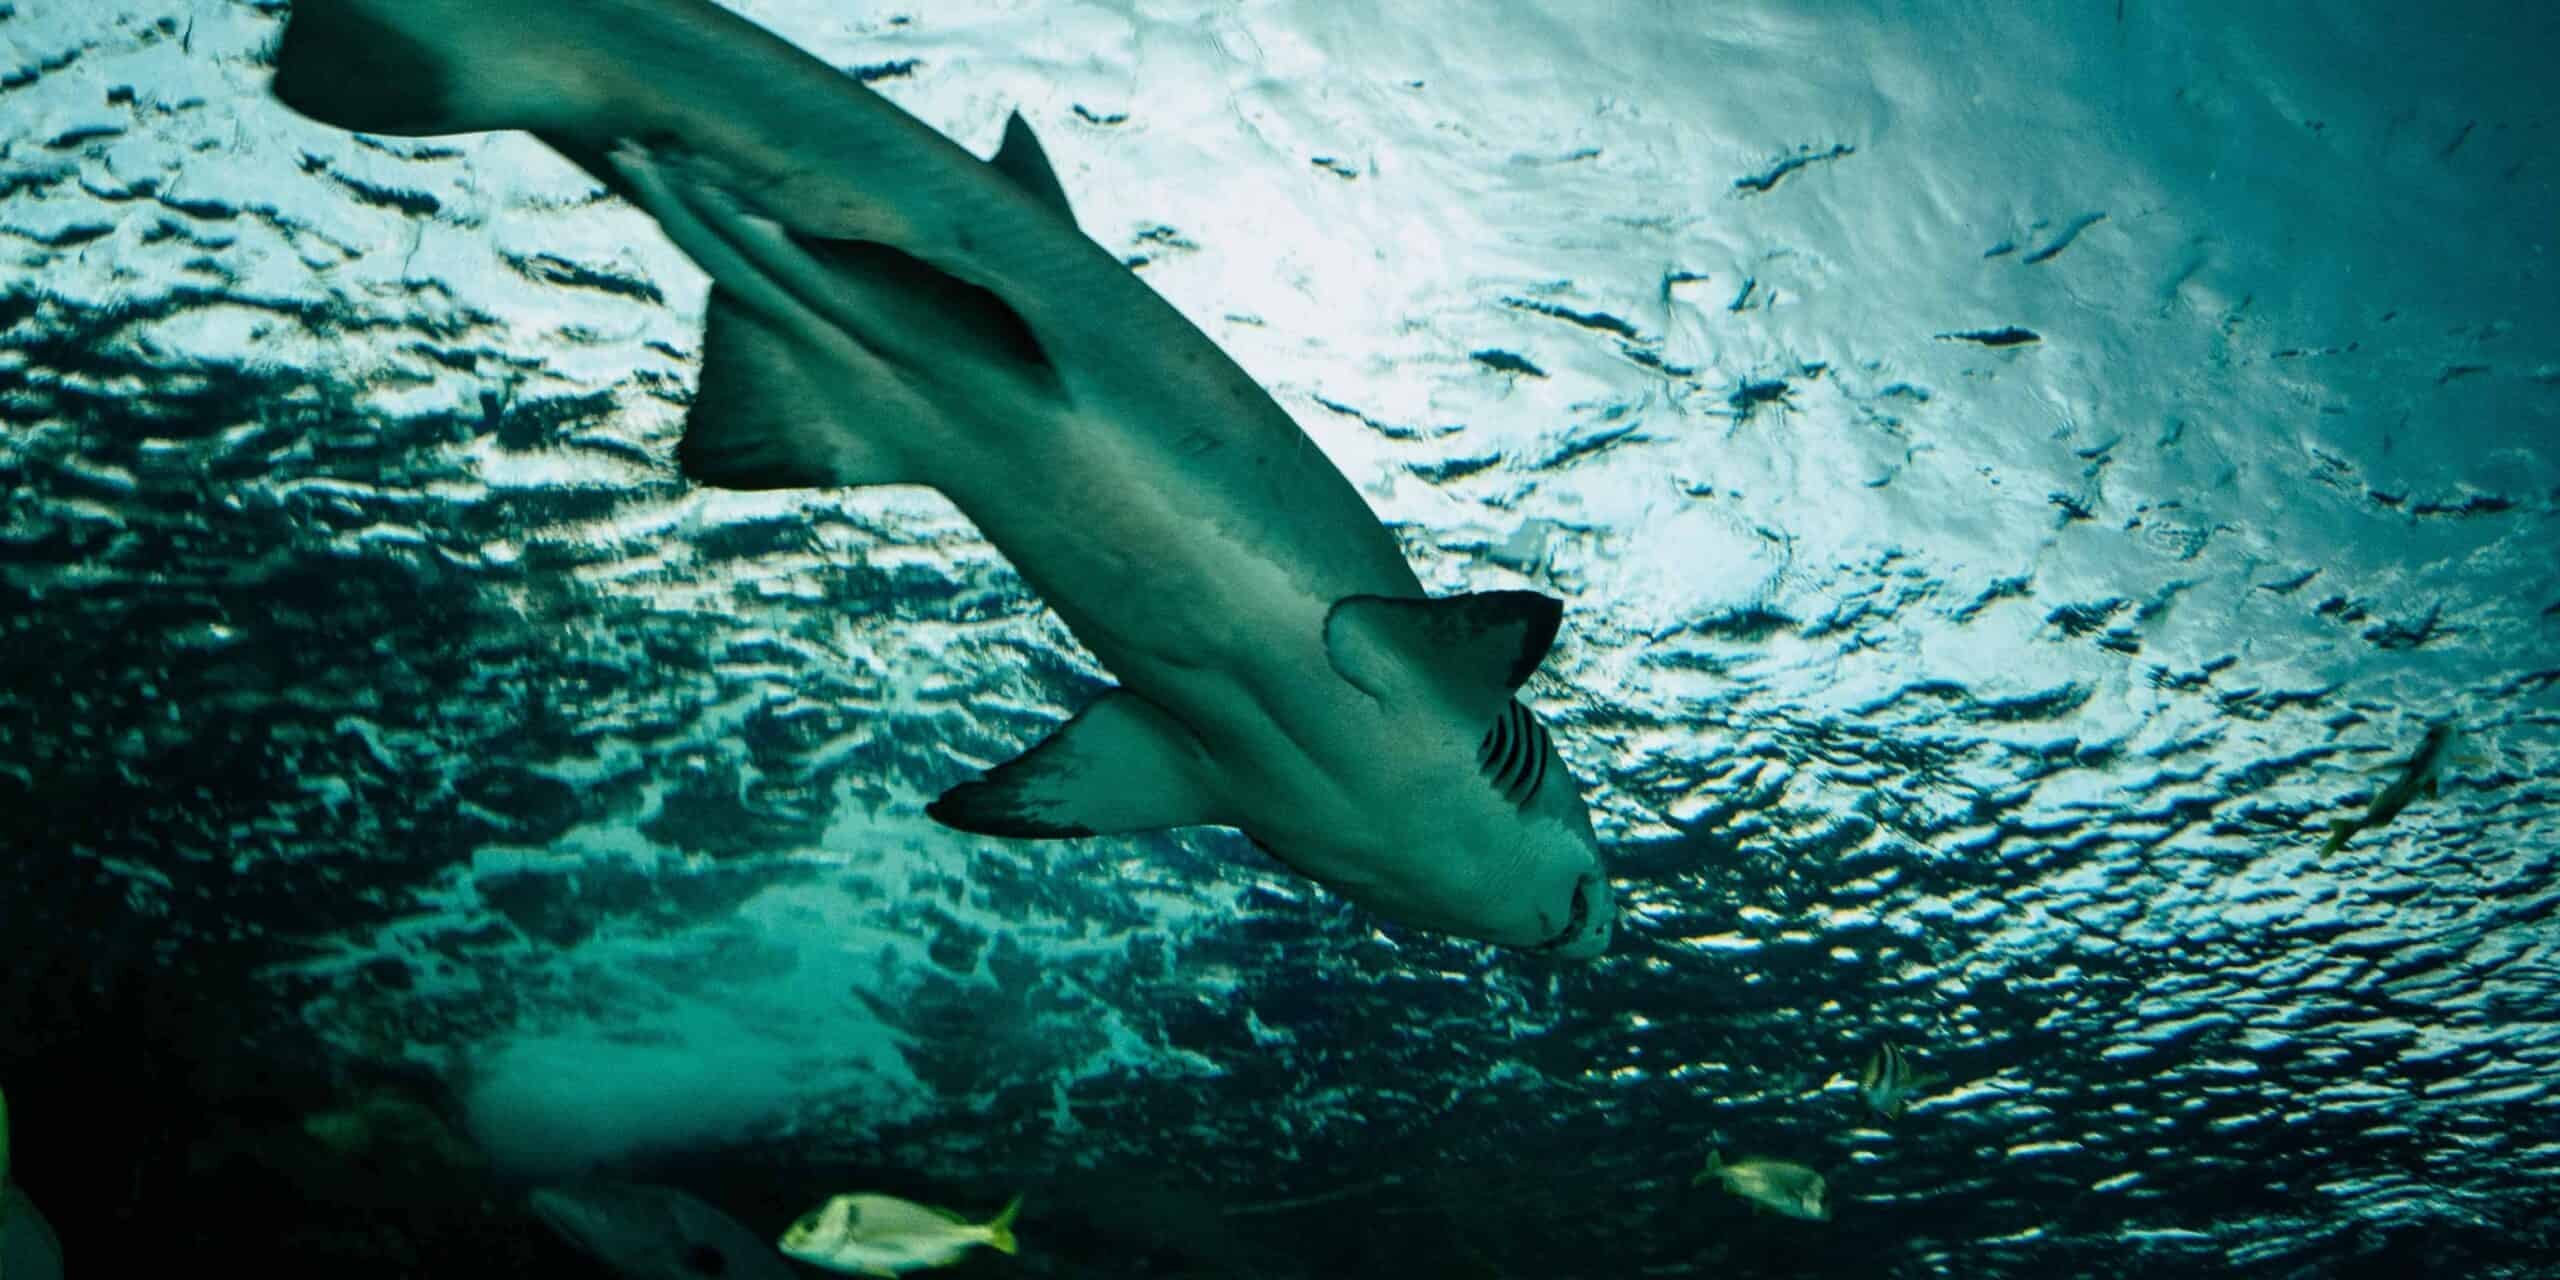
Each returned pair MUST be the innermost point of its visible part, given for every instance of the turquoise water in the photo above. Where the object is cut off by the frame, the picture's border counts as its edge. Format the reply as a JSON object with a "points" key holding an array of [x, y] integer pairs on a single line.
{"points": [[384, 718]]}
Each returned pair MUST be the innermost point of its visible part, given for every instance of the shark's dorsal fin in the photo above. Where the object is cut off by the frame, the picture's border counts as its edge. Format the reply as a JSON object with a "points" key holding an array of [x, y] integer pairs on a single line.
{"points": [[1021, 158], [758, 422], [1467, 652], [1120, 765]]}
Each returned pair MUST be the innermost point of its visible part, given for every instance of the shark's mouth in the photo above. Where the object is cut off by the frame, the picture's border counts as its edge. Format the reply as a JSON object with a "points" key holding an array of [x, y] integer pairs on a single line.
{"points": [[1579, 916]]}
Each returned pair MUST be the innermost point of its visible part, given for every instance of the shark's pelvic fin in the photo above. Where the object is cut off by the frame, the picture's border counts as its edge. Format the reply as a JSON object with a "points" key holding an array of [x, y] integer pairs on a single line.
{"points": [[1466, 652], [1021, 158], [759, 422], [1120, 765], [834, 294], [339, 65], [901, 344]]}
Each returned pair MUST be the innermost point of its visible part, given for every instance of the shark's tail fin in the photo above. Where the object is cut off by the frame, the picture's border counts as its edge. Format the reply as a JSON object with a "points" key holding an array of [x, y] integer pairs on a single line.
{"points": [[423, 67], [2339, 832], [1000, 1231]]}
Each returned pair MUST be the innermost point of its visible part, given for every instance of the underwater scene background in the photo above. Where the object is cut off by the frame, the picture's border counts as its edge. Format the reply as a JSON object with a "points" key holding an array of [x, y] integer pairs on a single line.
{"points": [[2015, 474]]}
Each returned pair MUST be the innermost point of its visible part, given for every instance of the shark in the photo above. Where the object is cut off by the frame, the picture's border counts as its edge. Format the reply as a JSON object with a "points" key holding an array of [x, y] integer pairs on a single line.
{"points": [[886, 308], [28, 1247], [2422, 773], [649, 1232]]}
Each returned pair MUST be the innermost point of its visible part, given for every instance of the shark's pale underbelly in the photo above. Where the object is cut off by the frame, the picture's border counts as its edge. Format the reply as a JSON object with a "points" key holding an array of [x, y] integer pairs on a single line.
{"points": [[1200, 580]]}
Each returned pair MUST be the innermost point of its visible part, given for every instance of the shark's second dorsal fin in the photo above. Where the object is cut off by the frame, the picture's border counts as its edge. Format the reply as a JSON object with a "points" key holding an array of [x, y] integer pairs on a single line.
{"points": [[1467, 652], [1021, 158], [1120, 765]]}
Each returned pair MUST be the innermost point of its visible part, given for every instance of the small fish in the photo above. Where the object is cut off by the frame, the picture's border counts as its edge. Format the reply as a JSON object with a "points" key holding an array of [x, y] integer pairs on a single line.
{"points": [[1786, 1188], [2419, 775], [883, 1235], [1889, 1084], [28, 1249]]}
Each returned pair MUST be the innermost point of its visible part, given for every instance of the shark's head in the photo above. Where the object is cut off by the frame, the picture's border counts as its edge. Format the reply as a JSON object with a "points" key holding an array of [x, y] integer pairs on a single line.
{"points": [[1526, 815], [1476, 828], [1500, 849]]}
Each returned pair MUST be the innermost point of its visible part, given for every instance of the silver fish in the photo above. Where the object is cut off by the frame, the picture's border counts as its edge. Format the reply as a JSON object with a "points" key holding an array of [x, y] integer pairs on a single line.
{"points": [[1776, 1185], [875, 1235]]}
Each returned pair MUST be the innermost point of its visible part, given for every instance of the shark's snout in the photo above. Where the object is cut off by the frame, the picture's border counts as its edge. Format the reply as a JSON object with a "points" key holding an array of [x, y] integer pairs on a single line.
{"points": [[1588, 922]]}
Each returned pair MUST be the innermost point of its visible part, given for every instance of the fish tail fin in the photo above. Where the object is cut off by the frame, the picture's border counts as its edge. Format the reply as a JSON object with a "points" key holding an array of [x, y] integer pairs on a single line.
{"points": [[421, 67], [1715, 1165], [2339, 831], [1000, 1230]]}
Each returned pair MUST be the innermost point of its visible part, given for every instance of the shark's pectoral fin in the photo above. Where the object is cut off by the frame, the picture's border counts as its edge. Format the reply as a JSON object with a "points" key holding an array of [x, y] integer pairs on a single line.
{"points": [[1469, 652], [1021, 158], [759, 421], [1120, 765]]}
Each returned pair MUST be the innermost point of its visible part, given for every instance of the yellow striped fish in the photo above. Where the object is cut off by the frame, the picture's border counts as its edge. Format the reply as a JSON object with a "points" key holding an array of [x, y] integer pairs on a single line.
{"points": [[1889, 1083]]}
